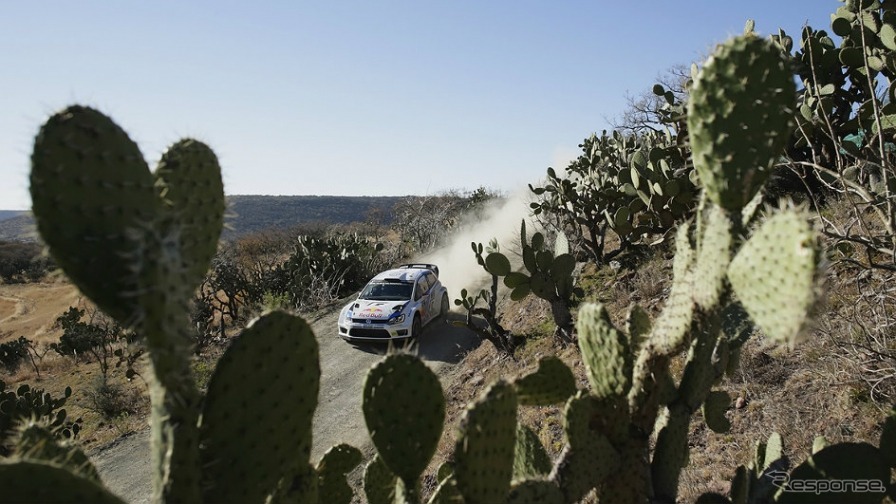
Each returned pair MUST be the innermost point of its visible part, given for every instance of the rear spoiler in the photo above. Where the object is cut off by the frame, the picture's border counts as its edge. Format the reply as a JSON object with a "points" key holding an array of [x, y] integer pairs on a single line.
{"points": [[431, 267]]}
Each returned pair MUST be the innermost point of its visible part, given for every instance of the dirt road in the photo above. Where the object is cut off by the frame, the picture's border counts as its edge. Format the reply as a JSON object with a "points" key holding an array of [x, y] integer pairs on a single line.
{"points": [[125, 464]]}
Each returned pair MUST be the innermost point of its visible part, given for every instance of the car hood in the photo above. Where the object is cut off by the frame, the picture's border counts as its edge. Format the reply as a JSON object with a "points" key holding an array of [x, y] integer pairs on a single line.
{"points": [[365, 308]]}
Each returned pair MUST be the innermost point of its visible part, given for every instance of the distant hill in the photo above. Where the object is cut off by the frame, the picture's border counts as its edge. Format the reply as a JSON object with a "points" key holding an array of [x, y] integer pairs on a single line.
{"points": [[8, 214], [18, 228], [248, 214], [255, 213]]}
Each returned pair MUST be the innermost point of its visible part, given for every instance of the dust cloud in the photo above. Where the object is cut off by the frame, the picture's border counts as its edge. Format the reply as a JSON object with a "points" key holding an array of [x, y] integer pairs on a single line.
{"points": [[457, 264]]}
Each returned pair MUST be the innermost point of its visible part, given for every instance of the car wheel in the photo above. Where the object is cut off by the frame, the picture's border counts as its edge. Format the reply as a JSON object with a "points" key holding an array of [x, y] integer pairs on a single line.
{"points": [[443, 311], [416, 328]]}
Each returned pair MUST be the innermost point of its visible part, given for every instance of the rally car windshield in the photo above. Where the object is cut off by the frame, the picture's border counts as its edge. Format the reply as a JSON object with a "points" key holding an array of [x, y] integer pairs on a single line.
{"points": [[387, 291]]}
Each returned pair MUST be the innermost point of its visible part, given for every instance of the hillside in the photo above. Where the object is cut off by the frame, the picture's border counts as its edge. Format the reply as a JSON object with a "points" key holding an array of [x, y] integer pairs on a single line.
{"points": [[251, 213], [18, 228]]}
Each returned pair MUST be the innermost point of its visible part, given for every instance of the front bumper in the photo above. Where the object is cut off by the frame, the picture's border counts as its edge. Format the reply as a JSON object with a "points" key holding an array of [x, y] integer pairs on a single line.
{"points": [[372, 330]]}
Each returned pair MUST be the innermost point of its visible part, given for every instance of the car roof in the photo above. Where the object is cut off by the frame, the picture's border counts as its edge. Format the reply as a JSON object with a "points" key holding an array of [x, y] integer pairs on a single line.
{"points": [[401, 274]]}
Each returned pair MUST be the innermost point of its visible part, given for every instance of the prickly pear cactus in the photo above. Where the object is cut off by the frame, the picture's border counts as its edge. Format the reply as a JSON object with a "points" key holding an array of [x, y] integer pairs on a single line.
{"points": [[485, 446], [137, 248], [605, 353], [44, 482], [331, 472], [405, 410], [633, 393], [549, 275], [37, 442], [740, 117], [774, 275], [279, 352], [92, 194], [138, 243]]}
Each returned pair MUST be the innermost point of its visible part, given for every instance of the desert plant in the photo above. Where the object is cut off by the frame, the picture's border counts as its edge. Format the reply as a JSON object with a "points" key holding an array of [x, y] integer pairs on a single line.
{"points": [[726, 268], [843, 147], [110, 400], [141, 264], [202, 316], [320, 270], [13, 352], [493, 332], [26, 403], [633, 185], [549, 275], [22, 262], [97, 336]]}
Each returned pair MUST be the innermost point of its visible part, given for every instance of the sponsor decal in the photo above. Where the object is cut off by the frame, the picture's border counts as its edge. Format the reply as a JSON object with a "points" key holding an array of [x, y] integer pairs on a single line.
{"points": [[373, 312]]}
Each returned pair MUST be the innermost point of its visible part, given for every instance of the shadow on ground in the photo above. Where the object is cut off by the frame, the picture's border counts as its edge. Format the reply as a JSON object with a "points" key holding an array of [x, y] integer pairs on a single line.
{"points": [[443, 340]]}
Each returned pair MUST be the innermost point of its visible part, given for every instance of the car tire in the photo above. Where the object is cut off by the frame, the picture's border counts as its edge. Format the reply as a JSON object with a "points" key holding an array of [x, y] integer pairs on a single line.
{"points": [[443, 311], [416, 328]]}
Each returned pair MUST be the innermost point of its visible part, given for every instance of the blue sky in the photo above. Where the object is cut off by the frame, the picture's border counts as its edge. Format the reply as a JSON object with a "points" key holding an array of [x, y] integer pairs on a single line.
{"points": [[356, 98]]}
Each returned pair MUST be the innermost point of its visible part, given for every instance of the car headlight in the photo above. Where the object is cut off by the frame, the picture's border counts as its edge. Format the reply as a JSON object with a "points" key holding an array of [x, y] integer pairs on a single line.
{"points": [[396, 320]]}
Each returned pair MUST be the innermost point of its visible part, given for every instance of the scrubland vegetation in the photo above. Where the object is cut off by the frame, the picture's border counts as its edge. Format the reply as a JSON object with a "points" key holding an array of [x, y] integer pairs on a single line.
{"points": [[699, 310]]}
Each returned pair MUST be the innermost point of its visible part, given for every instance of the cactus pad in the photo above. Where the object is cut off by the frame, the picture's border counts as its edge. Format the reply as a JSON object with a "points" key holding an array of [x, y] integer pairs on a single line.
{"points": [[638, 325], [672, 327], [552, 383], [740, 115], [405, 411], [268, 379], [485, 446], [774, 276], [589, 457], [712, 258], [37, 482], [497, 263], [331, 472], [605, 352], [189, 183], [36, 443], [740, 485], [773, 450], [535, 492], [90, 190], [562, 266], [379, 482]]}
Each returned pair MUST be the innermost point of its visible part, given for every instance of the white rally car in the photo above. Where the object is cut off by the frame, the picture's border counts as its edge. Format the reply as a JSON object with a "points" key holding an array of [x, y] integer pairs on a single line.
{"points": [[395, 305]]}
